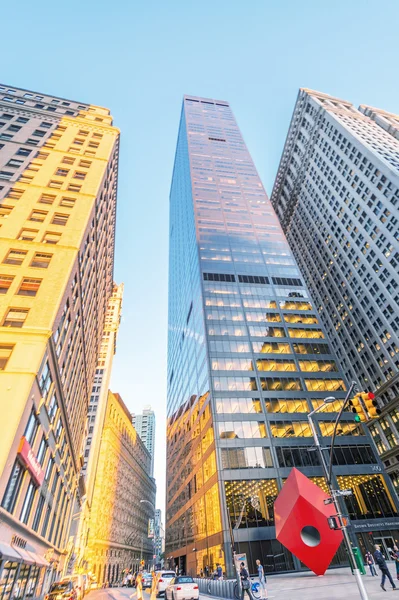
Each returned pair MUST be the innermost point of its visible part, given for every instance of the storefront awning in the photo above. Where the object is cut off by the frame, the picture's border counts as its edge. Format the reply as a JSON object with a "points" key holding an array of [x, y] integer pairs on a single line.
{"points": [[26, 557], [7, 552], [39, 561]]}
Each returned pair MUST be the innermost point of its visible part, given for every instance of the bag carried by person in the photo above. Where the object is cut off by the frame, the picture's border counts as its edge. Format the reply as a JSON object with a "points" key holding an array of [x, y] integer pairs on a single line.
{"points": [[246, 584]]}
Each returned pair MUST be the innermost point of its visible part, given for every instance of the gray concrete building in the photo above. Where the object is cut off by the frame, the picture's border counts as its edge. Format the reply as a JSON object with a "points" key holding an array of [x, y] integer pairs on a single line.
{"points": [[337, 196], [144, 423]]}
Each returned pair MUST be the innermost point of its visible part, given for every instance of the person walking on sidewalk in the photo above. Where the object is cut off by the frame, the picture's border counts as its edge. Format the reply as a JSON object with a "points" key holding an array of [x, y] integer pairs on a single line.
{"points": [[245, 582], [380, 560], [370, 562], [262, 580], [395, 557]]}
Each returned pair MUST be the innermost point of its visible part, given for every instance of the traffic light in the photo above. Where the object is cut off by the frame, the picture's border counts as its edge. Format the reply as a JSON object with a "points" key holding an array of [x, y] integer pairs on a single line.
{"points": [[370, 404], [357, 407]]}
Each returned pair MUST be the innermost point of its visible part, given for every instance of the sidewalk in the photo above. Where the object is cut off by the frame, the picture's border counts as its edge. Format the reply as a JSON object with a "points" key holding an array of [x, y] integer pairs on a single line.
{"points": [[336, 584]]}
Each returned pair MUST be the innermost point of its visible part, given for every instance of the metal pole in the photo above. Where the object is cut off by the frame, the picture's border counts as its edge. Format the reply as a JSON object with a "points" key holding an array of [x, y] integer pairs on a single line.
{"points": [[356, 572]]}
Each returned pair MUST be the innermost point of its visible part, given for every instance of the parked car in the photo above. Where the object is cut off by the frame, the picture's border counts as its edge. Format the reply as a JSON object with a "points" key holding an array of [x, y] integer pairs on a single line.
{"points": [[78, 584], [61, 590], [163, 578], [182, 588], [146, 579]]}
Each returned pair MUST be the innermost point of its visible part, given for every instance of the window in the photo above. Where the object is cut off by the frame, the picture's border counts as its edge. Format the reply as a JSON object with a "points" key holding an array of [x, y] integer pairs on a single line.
{"points": [[45, 380], [79, 175], [32, 142], [55, 184], [52, 408], [41, 155], [15, 257], [23, 152], [47, 198], [22, 120], [38, 514], [5, 283], [14, 128], [85, 163], [13, 487], [51, 238], [15, 193], [38, 215], [27, 505], [45, 125], [41, 260], [7, 117], [62, 172], [5, 211], [67, 202], [41, 453], [13, 162], [6, 175], [68, 160], [28, 235], [31, 428], [15, 317], [5, 353], [72, 187], [39, 133], [29, 286], [59, 219]]}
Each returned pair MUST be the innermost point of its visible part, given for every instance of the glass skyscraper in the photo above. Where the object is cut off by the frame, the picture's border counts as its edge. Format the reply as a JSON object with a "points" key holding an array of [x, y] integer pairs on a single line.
{"points": [[248, 358]]}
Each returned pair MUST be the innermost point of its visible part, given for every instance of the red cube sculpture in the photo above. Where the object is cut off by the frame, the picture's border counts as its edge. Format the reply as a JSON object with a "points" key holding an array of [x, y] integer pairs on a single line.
{"points": [[302, 522]]}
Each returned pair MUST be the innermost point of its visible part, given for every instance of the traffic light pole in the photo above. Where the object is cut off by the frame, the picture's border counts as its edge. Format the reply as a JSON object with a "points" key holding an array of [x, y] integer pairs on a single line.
{"points": [[335, 493]]}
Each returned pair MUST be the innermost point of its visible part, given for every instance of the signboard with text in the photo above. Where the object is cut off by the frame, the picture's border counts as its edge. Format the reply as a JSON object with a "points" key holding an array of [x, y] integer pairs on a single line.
{"points": [[151, 528], [29, 459]]}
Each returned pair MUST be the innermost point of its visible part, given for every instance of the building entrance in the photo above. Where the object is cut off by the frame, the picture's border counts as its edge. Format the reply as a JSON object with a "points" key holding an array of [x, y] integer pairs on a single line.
{"points": [[387, 543]]}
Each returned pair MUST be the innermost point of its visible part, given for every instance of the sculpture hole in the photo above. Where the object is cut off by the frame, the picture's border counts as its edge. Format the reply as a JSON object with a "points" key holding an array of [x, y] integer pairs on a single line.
{"points": [[310, 536]]}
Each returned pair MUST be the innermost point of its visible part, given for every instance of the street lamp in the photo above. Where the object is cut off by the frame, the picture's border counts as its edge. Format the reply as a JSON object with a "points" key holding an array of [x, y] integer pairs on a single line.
{"points": [[153, 539], [335, 494]]}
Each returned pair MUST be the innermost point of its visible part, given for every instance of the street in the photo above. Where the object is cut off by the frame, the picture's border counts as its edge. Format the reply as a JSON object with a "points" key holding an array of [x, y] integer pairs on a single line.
{"points": [[337, 584]]}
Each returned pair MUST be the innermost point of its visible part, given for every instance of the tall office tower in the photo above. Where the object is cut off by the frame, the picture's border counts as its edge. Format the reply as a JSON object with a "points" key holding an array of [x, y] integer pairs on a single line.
{"points": [[144, 424], [159, 536], [119, 521], [337, 196], [58, 171], [247, 360], [94, 429]]}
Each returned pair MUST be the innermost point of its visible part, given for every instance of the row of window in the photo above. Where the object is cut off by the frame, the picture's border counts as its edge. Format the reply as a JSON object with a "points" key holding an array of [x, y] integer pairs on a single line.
{"points": [[273, 405], [263, 364], [275, 384], [233, 347], [294, 456]]}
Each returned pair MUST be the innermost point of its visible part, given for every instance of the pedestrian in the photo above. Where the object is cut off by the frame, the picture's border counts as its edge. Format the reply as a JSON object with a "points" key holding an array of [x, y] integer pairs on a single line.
{"points": [[380, 560], [262, 579], [153, 586], [201, 573], [245, 582], [395, 557], [369, 560], [206, 571], [219, 571], [139, 587]]}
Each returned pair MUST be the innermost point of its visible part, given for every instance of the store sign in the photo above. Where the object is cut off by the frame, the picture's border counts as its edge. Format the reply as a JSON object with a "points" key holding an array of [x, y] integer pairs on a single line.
{"points": [[238, 559], [27, 456], [151, 528]]}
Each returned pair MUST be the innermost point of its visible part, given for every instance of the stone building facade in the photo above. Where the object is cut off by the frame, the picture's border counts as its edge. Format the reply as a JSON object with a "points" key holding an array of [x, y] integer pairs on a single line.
{"points": [[118, 528]]}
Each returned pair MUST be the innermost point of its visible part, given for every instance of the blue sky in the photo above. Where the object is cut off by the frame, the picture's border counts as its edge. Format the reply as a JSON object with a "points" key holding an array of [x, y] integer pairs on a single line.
{"points": [[139, 58]]}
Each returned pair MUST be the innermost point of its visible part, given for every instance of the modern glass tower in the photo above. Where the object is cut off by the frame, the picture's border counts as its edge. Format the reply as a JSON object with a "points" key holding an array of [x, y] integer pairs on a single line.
{"points": [[247, 360]]}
